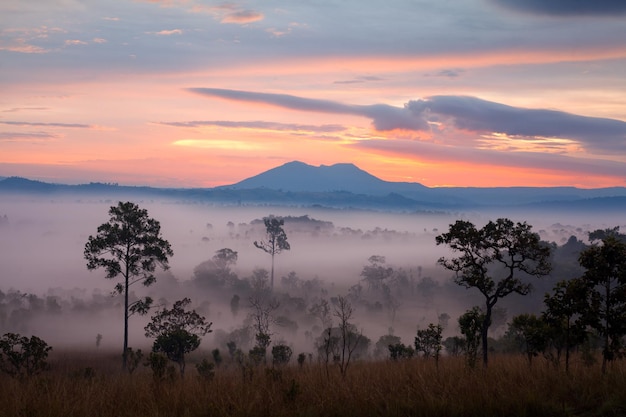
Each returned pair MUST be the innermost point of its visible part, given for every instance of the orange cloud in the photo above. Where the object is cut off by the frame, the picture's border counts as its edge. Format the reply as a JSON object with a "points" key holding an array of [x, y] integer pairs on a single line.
{"points": [[166, 32], [242, 17], [75, 42], [405, 64]]}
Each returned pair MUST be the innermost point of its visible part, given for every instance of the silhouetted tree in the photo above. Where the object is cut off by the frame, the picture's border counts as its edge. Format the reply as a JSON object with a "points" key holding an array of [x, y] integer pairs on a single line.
{"points": [[400, 351], [501, 248], [564, 316], [531, 334], [428, 341], [349, 337], [262, 318], [275, 242], [605, 276], [130, 245], [177, 332], [225, 258], [216, 272], [376, 272], [470, 324], [21, 356], [281, 354]]}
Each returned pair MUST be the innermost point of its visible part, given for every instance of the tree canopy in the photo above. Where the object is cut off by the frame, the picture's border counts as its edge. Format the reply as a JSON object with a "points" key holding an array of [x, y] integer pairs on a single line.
{"points": [[605, 278], [129, 245], [275, 241], [492, 259], [177, 331]]}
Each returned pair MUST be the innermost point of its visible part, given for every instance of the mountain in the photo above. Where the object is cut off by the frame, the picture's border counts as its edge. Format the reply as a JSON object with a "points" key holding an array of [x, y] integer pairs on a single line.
{"points": [[303, 178], [300, 177], [343, 186]]}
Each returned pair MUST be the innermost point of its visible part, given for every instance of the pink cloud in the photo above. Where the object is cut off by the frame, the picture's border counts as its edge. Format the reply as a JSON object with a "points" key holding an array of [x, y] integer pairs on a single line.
{"points": [[242, 17], [167, 32]]}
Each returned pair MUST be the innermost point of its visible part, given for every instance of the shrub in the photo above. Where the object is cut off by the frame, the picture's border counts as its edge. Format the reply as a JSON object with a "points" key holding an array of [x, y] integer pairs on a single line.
{"points": [[21, 356]]}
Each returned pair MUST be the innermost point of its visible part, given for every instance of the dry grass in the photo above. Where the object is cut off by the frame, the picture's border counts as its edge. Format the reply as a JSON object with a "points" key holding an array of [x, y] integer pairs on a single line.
{"points": [[410, 388]]}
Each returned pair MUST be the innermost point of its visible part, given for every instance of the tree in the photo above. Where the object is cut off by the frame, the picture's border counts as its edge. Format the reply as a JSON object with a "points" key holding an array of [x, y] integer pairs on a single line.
{"points": [[262, 316], [281, 354], [470, 324], [216, 272], [349, 338], [454, 345], [129, 245], [376, 273], [381, 348], [276, 240], [399, 351], [530, 333], [564, 316], [605, 276], [491, 259], [177, 332], [21, 356], [428, 341]]}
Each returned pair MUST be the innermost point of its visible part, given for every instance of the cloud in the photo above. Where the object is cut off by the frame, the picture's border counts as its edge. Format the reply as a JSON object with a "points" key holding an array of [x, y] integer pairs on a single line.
{"points": [[72, 125], [22, 46], [218, 144], [166, 32], [359, 80], [230, 13], [566, 7], [75, 42], [482, 116], [259, 125], [450, 73], [25, 137], [426, 151], [242, 17], [18, 109], [383, 116], [463, 113]]}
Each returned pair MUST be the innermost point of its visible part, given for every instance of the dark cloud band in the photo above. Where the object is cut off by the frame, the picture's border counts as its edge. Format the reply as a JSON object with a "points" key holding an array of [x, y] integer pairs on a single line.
{"points": [[472, 114], [567, 7]]}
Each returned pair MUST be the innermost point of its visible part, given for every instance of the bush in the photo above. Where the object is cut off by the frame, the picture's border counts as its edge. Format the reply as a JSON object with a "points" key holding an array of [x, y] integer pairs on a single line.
{"points": [[21, 356], [206, 370]]}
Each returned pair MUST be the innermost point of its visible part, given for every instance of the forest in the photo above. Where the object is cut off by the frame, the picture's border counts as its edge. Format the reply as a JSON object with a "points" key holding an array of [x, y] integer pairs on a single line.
{"points": [[496, 305]]}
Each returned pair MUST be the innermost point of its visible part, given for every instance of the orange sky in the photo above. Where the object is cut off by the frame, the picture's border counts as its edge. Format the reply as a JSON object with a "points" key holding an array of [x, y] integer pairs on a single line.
{"points": [[479, 96]]}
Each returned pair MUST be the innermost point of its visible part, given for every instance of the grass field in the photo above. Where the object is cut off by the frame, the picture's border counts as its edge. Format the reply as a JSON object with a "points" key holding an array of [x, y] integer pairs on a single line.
{"points": [[93, 385]]}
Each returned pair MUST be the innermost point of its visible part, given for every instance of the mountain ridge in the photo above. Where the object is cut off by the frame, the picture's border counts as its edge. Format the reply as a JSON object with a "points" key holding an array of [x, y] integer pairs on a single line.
{"points": [[342, 186]]}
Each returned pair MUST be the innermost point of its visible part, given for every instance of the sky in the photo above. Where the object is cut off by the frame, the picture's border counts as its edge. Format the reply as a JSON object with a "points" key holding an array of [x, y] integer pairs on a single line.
{"points": [[196, 93]]}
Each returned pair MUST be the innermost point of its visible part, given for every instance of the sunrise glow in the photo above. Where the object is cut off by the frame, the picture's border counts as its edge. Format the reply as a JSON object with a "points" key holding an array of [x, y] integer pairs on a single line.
{"points": [[199, 96]]}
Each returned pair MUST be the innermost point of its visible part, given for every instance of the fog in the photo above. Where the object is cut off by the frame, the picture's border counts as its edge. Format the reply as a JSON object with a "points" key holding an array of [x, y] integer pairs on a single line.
{"points": [[41, 257]]}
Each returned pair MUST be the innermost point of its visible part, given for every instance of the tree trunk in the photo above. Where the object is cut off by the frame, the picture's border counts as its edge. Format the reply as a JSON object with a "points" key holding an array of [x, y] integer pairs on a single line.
{"points": [[483, 334], [126, 285], [607, 315], [124, 353], [272, 274]]}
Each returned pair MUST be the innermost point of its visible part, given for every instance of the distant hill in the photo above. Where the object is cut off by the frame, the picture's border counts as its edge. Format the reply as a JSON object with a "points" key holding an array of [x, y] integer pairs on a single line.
{"points": [[301, 177], [343, 186]]}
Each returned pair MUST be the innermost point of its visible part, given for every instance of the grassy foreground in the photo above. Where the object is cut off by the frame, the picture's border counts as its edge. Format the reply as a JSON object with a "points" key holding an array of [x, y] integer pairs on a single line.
{"points": [[409, 388]]}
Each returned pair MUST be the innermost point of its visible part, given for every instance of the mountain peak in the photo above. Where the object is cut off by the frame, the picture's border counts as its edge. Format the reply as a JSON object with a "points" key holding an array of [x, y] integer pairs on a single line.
{"points": [[299, 176]]}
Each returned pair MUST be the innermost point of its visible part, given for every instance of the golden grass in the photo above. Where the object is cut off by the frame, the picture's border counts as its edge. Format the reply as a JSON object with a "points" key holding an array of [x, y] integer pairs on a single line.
{"points": [[410, 388]]}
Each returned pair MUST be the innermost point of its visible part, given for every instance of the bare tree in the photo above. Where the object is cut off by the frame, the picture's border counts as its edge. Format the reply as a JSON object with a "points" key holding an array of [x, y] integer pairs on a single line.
{"points": [[349, 337], [262, 319]]}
